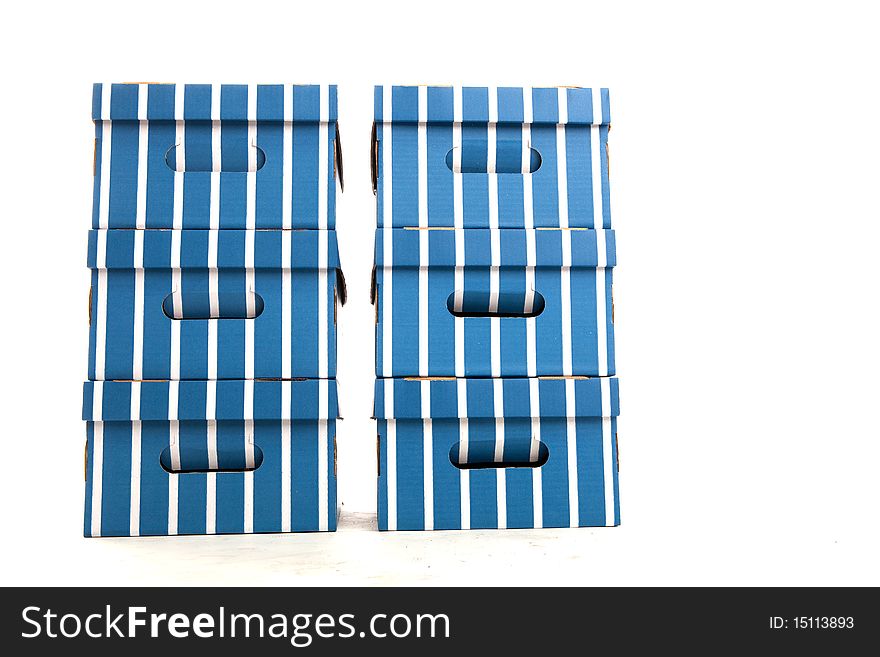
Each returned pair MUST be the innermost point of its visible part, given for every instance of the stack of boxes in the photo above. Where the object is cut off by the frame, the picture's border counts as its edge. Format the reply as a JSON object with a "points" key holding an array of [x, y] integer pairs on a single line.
{"points": [[495, 400], [211, 401]]}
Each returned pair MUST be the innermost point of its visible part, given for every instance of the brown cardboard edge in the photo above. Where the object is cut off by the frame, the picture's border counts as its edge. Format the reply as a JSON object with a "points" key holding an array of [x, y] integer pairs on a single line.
{"points": [[374, 158], [337, 159], [341, 286]]}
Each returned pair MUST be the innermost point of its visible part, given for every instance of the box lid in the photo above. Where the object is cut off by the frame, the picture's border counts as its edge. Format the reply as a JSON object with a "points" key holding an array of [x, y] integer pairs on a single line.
{"points": [[588, 247], [155, 400], [542, 397], [115, 249], [205, 102], [532, 105]]}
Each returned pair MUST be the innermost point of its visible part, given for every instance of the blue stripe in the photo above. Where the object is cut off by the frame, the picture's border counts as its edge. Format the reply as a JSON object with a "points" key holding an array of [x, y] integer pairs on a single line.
{"points": [[90, 476], [410, 473], [116, 479], [382, 455], [154, 480]]}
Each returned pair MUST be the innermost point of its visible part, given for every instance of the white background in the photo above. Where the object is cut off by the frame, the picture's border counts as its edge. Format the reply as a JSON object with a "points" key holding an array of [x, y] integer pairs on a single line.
{"points": [[745, 177]]}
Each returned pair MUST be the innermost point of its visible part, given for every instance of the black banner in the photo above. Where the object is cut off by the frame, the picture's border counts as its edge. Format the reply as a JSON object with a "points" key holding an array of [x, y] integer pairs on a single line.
{"points": [[437, 621]]}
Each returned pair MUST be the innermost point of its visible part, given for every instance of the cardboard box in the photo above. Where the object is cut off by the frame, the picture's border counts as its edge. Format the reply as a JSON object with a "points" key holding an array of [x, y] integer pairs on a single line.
{"points": [[269, 446], [499, 303], [211, 405], [213, 304], [486, 157], [200, 156], [497, 453], [493, 293]]}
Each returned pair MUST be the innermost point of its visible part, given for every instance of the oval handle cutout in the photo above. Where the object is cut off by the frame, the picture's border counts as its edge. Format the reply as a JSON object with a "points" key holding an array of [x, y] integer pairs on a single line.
{"points": [[473, 157], [480, 455], [199, 306], [504, 304], [195, 459], [232, 160]]}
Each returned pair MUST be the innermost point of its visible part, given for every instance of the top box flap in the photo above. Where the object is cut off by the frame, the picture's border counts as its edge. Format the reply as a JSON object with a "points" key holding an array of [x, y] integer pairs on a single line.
{"points": [[513, 248], [404, 399], [164, 249], [533, 105], [209, 400], [218, 102]]}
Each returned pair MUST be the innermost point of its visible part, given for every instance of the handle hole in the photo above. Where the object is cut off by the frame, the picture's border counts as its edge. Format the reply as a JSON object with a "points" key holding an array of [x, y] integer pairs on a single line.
{"points": [[503, 304], [510, 157], [195, 460], [235, 157], [178, 306], [480, 455]]}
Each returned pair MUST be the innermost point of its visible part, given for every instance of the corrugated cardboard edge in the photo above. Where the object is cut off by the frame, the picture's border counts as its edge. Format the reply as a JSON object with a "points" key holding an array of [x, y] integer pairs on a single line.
{"points": [[337, 159], [340, 285], [374, 159]]}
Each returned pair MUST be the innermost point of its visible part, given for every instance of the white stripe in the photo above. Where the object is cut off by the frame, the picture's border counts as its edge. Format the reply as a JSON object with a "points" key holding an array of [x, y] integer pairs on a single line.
{"points": [[286, 517], [494, 285], [500, 473], [323, 446], [97, 456], [138, 320], [213, 234], [531, 343], [423, 156], [180, 156], [537, 478], [177, 300], [457, 200], [106, 143], [249, 455], [423, 234], [561, 160], [390, 454], [323, 349], [596, 159], [463, 437], [134, 508], [176, 282], [286, 160], [495, 236], [286, 305], [101, 303], [250, 278], [607, 450], [174, 442], [387, 245], [428, 454], [571, 440], [211, 478], [143, 145], [458, 224], [601, 305], [323, 163], [565, 292], [423, 302]]}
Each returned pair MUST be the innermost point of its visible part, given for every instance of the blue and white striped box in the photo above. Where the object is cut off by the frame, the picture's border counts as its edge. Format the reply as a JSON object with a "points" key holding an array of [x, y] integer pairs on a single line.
{"points": [[497, 453], [211, 405], [494, 321], [202, 156], [213, 304], [270, 446], [487, 157], [500, 302]]}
